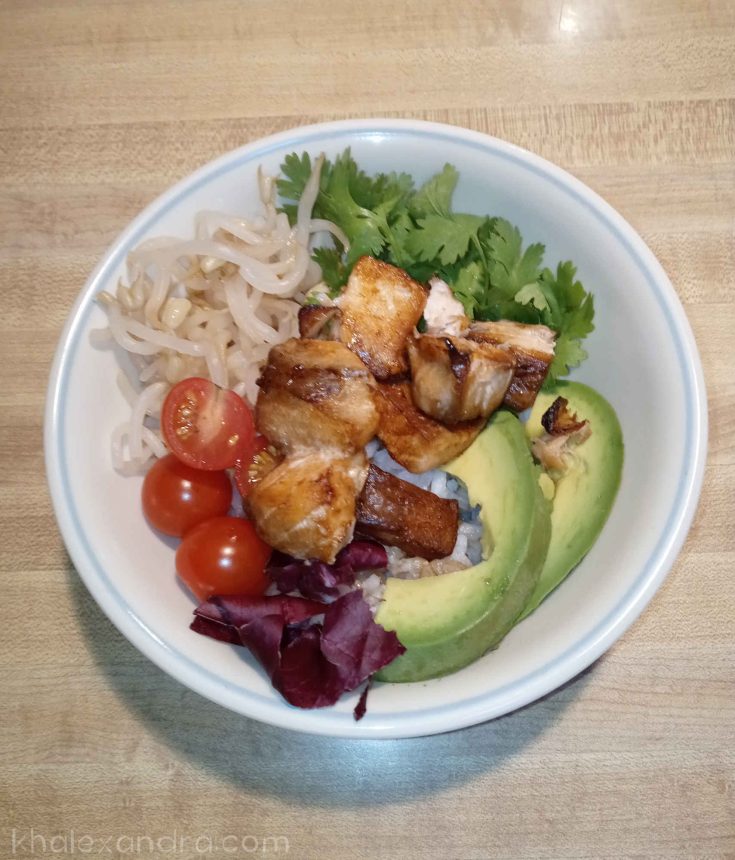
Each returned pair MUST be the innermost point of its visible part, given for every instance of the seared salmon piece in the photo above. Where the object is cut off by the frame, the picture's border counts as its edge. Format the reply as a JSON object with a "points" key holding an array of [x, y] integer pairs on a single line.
{"points": [[319, 322], [532, 348], [454, 379], [316, 394], [397, 513], [380, 307], [415, 440], [443, 313], [563, 432], [306, 505]]}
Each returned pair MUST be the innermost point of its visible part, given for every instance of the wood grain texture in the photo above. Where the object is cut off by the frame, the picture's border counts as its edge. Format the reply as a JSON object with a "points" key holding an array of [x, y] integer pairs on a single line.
{"points": [[105, 104]]}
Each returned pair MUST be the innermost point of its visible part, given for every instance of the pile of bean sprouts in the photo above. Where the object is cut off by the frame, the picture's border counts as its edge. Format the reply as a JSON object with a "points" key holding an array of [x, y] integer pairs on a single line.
{"points": [[210, 306]]}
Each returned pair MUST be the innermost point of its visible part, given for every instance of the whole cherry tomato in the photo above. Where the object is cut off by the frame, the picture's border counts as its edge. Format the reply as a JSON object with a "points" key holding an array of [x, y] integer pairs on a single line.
{"points": [[223, 555], [176, 497]]}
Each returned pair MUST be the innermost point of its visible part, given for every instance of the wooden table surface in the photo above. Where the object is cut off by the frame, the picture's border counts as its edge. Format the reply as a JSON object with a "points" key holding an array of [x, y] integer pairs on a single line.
{"points": [[104, 105]]}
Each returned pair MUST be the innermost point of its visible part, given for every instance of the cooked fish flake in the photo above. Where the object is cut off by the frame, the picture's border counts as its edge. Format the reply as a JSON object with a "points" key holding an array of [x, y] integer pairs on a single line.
{"points": [[306, 505], [416, 441], [314, 394], [454, 379], [380, 306], [532, 349]]}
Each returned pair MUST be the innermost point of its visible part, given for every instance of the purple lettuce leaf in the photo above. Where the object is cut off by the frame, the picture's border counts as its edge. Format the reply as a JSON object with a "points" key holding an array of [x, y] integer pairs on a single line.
{"points": [[353, 642], [311, 664], [361, 707], [304, 678], [255, 622], [236, 610], [363, 555], [317, 580], [215, 630], [313, 579], [320, 662]]}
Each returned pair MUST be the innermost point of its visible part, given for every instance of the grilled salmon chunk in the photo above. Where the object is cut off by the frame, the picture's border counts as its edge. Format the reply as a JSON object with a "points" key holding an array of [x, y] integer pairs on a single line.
{"points": [[417, 442], [306, 505], [319, 322], [397, 513], [380, 308], [563, 431], [316, 394], [454, 379], [532, 348]]}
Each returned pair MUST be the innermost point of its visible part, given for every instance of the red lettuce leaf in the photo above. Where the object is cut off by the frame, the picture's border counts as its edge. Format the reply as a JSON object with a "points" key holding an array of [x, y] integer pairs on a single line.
{"points": [[313, 579], [255, 622], [320, 663], [363, 555], [317, 580], [304, 678], [361, 706], [215, 630], [352, 641], [236, 610], [309, 663]]}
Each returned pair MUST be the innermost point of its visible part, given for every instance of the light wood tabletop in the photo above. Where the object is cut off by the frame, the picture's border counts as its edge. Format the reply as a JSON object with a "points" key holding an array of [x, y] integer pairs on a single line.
{"points": [[104, 104]]}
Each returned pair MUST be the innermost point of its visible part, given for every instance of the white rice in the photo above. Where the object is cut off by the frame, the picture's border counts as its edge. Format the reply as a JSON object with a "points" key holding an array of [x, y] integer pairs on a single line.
{"points": [[373, 586]]}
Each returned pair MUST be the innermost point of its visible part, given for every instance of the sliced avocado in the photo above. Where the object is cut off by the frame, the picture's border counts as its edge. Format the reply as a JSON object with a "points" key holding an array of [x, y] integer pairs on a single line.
{"points": [[585, 493], [448, 621]]}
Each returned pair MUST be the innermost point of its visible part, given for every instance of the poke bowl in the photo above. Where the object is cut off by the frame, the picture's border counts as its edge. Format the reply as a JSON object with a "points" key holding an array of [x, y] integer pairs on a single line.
{"points": [[641, 357]]}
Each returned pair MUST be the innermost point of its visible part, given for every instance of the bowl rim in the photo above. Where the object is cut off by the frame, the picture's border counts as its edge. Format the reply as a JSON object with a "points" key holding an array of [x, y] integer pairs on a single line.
{"points": [[483, 706]]}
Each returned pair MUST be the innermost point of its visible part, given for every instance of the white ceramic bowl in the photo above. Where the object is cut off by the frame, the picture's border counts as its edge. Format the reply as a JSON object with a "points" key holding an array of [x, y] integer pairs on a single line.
{"points": [[642, 358]]}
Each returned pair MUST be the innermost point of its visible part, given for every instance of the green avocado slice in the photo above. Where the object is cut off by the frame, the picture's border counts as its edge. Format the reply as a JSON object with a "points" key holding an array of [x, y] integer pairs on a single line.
{"points": [[447, 622], [585, 493]]}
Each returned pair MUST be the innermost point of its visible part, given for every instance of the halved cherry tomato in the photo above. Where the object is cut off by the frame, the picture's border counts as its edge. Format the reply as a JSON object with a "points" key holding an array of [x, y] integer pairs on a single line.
{"points": [[243, 477], [176, 497], [223, 555], [205, 426]]}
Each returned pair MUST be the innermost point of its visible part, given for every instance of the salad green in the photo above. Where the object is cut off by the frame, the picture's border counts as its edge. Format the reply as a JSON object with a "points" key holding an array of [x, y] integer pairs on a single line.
{"points": [[482, 258]]}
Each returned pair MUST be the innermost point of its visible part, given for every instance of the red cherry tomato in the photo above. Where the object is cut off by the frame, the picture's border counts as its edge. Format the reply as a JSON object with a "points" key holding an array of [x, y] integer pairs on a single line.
{"points": [[223, 555], [243, 479], [177, 497], [205, 426]]}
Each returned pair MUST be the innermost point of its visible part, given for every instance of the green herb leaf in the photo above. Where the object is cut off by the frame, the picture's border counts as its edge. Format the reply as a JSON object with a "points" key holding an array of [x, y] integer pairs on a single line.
{"points": [[468, 287], [510, 268], [390, 191], [441, 237], [334, 270], [295, 171], [362, 226], [400, 228], [532, 294], [571, 313], [435, 196], [567, 354], [367, 242]]}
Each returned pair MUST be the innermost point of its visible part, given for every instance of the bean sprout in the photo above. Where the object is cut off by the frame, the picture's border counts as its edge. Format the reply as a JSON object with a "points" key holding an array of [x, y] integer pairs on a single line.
{"points": [[209, 306]]}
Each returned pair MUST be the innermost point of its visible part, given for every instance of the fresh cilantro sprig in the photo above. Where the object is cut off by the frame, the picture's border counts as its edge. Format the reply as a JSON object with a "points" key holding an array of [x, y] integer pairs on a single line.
{"points": [[481, 258], [334, 269]]}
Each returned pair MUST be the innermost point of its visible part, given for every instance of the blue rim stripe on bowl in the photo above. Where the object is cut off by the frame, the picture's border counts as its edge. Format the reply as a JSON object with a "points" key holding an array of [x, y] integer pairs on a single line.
{"points": [[584, 651]]}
